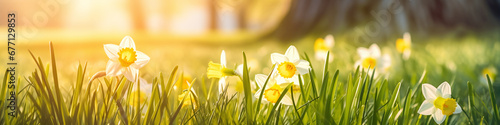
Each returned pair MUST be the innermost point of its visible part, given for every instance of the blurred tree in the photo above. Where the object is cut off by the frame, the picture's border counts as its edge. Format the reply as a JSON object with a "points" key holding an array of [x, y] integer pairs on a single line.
{"points": [[386, 18], [494, 6], [137, 15], [212, 12]]}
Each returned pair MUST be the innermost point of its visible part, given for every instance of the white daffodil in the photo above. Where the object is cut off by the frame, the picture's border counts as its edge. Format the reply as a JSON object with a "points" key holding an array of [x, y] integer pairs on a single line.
{"points": [[322, 46], [438, 102], [404, 45], [189, 97], [273, 90], [288, 66], [124, 59], [220, 71], [372, 58], [144, 91]]}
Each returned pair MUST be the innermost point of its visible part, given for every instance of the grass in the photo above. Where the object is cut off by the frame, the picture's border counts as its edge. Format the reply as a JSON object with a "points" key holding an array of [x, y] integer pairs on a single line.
{"points": [[328, 96]]}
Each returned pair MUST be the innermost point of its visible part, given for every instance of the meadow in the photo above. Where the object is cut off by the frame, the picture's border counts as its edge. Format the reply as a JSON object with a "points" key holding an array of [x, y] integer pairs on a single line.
{"points": [[322, 81]]}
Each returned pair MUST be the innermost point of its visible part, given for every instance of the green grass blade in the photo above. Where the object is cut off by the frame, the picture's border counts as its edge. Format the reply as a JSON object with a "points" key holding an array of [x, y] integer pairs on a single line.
{"points": [[493, 99], [247, 91]]}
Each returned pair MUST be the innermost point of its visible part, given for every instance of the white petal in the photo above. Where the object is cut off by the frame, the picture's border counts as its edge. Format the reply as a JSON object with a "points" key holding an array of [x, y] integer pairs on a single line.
{"points": [[257, 95], [295, 79], [358, 63], [278, 58], [223, 58], [375, 50], [363, 52], [127, 42], [303, 67], [222, 84], [458, 109], [406, 54], [145, 86], [426, 108], [438, 116], [281, 80], [429, 92], [385, 63], [142, 59], [320, 55], [239, 70], [131, 73], [284, 85], [260, 79], [113, 68], [444, 89], [286, 100], [112, 51], [292, 54], [329, 41], [407, 37]]}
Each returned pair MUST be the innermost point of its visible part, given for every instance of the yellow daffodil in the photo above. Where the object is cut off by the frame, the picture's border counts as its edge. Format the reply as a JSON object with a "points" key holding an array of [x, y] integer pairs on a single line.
{"points": [[220, 71], [189, 97], [322, 46], [372, 58], [124, 59], [290, 65], [273, 90], [182, 84], [438, 102], [491, 71], [404, 45]]}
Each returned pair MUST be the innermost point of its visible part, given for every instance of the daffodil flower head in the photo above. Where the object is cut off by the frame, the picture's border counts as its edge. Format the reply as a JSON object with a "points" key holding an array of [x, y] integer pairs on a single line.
{"points": [[322, 46], [189, 97], [273, 90], [124, 59], [404, 45], [220, 71], [182, 84], [144, 91], [438, 102], [372, 58], [491, 71], [290, 65]]}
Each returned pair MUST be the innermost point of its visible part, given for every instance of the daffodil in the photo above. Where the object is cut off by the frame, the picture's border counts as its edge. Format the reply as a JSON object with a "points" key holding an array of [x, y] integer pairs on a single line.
{"points": [[144, 91], [188, 96], [372, 58], [124, 59], [404, 45], [322, 46], [438, 102], [182, 84], [220, 71], [290, 65], [491, 71], [274, 89]]}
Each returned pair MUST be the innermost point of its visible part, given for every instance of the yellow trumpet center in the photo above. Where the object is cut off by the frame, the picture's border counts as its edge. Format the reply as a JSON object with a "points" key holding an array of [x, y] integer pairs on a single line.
{"points": [[447, 105], [369, 62], [401, 45], [133, 97], [287, 69], [216, 70], [127, 56], [272, 94], [320, 45]]}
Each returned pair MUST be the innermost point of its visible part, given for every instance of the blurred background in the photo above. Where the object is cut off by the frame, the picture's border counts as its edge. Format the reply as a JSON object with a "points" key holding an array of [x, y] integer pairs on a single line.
{"points": [[453, 40]]}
